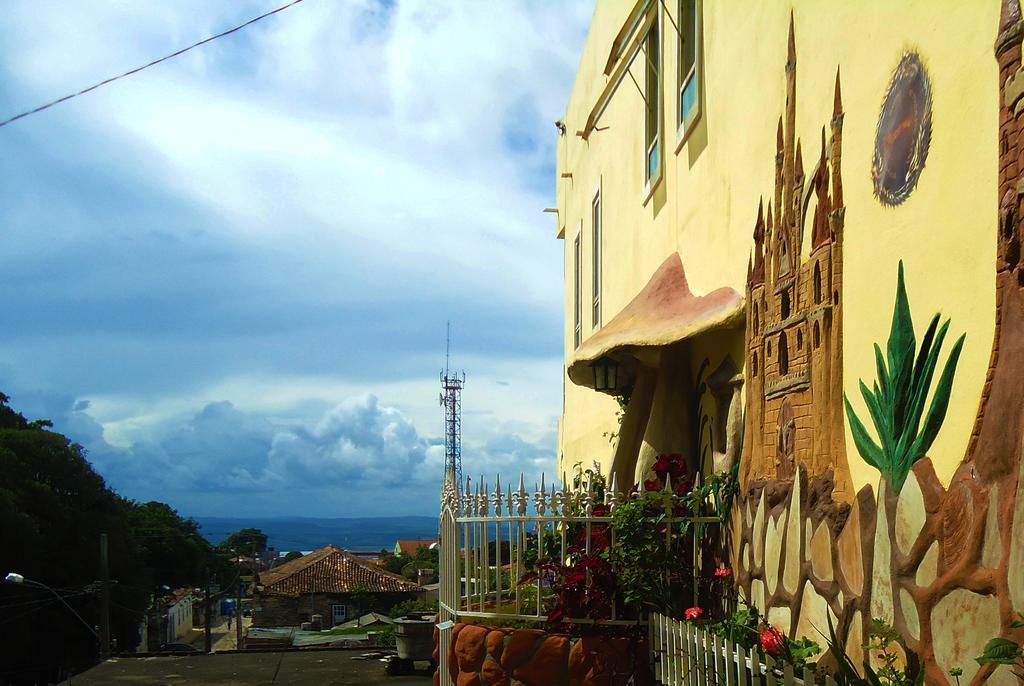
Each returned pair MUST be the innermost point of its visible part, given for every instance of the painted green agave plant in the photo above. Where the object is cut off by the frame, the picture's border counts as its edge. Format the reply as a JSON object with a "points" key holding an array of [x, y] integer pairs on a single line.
{"points": [[896, 402]]}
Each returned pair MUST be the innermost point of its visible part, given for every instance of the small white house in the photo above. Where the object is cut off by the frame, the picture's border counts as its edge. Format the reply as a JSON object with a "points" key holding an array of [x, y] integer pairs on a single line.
{"points": [[179, 615]]}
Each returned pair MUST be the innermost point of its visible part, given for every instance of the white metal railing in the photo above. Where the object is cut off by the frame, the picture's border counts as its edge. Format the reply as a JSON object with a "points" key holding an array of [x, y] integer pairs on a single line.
{"points": [[490, 539], [684, 654]]}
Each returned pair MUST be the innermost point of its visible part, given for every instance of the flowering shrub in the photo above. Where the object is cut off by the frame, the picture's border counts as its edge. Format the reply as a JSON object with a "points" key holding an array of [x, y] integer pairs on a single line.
{"points": [[694, 613], [585, 586], [772, 641], [670, 466]]}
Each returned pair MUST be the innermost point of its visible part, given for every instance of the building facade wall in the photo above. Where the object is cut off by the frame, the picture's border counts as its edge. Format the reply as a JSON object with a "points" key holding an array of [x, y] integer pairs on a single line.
{"points": [[835, 519], [278, 610], [705, 206]]}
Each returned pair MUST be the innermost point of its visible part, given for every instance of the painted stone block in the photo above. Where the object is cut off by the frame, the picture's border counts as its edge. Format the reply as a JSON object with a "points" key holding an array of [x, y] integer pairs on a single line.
{"points": [[962, 623], [773, 551], [850, 557], [821, 553], [992, 550], [780, 618], [759, 533], [910, 618], [910, 514], [791, 573], [757, 594], [1017, 547], [814, 613], [855, 641], [881, 576], [928, 570]]}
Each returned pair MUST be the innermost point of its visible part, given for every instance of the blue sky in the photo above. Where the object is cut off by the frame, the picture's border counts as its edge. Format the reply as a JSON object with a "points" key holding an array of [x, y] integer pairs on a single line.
{"points": [[228, 276]]}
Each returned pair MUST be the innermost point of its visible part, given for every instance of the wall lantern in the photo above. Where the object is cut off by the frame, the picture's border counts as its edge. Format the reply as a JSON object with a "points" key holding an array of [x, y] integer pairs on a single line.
{"points": [[606, 374]]}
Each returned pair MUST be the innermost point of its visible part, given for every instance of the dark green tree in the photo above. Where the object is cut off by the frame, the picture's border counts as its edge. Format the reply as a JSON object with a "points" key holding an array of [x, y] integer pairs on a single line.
{"points": [[170, 545], [245, 542], [53, 508]]}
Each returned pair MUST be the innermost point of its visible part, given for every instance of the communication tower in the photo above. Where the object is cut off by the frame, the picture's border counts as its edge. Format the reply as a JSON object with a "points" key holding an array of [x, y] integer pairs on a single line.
{"points": [[452, 384]]}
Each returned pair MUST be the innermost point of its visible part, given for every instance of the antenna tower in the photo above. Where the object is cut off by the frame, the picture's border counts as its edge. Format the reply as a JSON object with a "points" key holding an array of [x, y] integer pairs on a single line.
{"points": [[451, 399]]}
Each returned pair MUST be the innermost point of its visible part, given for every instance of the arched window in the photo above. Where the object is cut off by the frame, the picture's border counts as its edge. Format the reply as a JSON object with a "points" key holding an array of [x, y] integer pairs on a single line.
{"points": [[783, 354], [817, 282], [753, 365], [817, 335], [785, 305], [799, 339], [757, 318]]}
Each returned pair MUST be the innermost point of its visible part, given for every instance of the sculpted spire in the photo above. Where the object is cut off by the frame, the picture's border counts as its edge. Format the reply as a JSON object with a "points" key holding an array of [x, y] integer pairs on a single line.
{"points": [[1009, 26]]}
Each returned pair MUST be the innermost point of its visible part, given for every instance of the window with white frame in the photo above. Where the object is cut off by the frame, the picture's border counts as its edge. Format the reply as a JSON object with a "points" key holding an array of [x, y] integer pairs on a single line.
{"points": [[595, 214], [652, 101], [577, 295], [688, 71]]}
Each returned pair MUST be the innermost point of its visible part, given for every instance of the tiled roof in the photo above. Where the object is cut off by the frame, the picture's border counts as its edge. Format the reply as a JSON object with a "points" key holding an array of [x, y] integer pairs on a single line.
{"points": [[176, 596], [409, 547], [332, 570]]}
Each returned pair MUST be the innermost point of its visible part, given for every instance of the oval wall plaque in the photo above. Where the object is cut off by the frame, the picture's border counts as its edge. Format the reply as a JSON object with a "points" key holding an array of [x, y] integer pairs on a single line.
{"points": [[904, 132]]}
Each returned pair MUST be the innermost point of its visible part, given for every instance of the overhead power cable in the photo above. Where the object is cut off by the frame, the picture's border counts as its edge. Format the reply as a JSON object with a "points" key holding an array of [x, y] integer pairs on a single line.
{"points": [[136, 70]]}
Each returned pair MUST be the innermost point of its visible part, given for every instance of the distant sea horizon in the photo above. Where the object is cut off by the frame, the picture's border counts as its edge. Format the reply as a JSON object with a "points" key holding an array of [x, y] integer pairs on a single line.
{"points": [[358, 534]]}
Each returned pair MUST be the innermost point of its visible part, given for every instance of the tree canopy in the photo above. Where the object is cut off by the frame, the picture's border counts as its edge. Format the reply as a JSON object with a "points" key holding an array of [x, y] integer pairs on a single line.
{"points": [[53, 508], [245, 542]]}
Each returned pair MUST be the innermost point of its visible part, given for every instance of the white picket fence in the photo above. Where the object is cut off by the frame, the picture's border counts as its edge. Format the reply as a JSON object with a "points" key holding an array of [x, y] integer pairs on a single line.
{"points": [[683, 654]]}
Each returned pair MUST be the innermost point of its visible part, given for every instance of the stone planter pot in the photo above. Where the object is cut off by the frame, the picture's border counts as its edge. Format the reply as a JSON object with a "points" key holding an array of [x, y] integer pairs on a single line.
{"points": [[414, 637], [532, 657]]}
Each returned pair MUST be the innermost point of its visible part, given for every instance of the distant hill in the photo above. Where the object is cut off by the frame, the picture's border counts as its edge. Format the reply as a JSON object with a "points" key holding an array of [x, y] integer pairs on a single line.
{"points": [[309, 533]]}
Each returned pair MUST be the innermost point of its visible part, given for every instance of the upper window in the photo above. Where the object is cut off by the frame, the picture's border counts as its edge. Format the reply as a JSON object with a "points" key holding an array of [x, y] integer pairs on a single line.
{"points": [[596, 254], [576, 299], [688, 65], [652, 53]]}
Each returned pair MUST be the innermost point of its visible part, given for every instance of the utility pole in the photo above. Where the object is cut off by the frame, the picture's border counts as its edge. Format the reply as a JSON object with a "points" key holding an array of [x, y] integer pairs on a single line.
{"points": [[104, 599], [238, 604], [207, 614]]}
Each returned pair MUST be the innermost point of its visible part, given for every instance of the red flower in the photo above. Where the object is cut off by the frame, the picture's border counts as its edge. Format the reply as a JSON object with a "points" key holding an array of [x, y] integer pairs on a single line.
{"points": [[602, 510], [662, 466], [723, 571], [772, 641], [652, 485], [693, 613]]}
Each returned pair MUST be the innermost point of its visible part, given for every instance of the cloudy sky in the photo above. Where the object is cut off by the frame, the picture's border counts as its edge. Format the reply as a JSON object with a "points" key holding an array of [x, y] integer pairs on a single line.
{"points": [[228, 276]]}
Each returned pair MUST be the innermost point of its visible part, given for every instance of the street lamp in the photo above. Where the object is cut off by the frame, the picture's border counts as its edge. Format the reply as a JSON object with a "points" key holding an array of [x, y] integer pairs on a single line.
{"points": [[606, 374], [15, 578]]}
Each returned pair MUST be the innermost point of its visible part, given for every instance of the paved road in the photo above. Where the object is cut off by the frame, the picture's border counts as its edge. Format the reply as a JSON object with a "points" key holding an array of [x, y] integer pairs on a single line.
{"points": [[223, 638], [296, 668]]}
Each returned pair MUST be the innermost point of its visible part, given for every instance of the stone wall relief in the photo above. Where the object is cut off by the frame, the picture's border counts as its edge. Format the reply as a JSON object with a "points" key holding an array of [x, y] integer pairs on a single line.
{"points": [[941, 564]]}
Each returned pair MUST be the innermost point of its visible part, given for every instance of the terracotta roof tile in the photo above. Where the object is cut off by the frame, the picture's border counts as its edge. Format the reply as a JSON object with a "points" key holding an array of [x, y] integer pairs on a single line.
{"points": [[409, 546], [332, 570]]}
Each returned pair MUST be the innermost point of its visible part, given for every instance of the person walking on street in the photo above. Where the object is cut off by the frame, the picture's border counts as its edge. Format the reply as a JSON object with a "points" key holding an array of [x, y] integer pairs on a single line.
{"points": [[230, 615]]}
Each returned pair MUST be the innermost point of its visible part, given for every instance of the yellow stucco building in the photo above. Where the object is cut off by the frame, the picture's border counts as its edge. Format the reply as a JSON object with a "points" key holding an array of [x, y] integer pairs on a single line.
{"points": [[738, 185]]}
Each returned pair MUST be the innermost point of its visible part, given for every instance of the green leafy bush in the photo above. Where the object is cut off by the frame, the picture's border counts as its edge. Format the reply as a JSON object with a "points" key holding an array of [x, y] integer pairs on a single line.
{"points": [[896, 402], [1003, 651]]}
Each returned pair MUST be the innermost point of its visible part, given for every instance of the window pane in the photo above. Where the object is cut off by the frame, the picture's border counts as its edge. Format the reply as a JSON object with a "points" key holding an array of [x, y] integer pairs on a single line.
{"points": [[577, 304], [653, 158], [596, 254], [653, 98], [688, 99], [688, 53]]}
